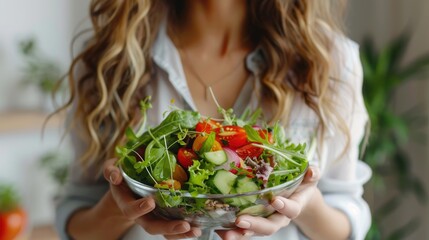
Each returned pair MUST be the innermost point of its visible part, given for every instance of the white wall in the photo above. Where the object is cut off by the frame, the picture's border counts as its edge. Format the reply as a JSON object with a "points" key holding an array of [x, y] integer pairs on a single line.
{"points": [[51, 22]]}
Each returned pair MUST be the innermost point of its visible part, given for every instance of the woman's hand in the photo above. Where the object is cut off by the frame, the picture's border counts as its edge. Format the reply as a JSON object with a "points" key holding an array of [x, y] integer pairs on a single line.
{"points": [[287, 210], [139, 210]]}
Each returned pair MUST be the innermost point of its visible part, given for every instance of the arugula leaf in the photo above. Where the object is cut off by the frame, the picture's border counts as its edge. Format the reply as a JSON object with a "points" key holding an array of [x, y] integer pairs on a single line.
{"points": [[254, 136], [248, 117], [279, 134]]}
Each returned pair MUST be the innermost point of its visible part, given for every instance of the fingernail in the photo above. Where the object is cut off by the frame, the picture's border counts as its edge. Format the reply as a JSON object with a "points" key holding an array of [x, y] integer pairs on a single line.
{"points": [[195, 233], [278, 204], [181, 228], [143, 203], [243, 224], [113, 177], [146, 206], [311, 173], [248, 233]]}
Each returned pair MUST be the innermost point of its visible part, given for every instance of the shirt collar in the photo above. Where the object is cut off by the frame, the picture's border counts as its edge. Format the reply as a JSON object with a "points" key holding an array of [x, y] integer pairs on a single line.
{"points": [[166, 56]]}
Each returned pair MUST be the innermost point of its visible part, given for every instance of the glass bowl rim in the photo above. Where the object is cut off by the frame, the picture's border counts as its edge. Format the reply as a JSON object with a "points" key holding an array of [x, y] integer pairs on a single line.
{"points": [[186, 194]]}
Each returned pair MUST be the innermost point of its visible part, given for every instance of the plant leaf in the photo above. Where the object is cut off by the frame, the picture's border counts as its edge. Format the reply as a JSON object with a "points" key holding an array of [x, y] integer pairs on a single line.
{"points": [[417, 67], [405, 230]]}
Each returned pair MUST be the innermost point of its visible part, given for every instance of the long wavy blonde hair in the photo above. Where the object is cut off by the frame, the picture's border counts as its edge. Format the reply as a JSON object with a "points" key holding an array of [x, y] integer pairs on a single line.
{"points": [[116, 63]]}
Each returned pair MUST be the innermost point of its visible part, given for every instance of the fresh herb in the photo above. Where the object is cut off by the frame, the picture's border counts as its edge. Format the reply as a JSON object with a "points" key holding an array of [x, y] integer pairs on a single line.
{"points": [[176, 120], [9, 200], [254, 136], [249, 118], [144, 106], [197, 175]]}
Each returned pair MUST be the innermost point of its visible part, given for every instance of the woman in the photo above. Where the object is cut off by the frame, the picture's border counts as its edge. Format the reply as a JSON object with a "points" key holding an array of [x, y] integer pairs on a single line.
{"points": [[286, 56]]}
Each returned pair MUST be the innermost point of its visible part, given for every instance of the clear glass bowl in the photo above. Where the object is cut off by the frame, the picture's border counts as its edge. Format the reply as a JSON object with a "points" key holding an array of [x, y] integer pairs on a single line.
{"points": [[214, 211]]}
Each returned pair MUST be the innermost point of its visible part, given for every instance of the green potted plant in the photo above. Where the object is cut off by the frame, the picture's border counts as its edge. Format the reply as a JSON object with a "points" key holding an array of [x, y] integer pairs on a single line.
{"points": [[384, 73], [56, 166], [13, 218], [40, 71]]}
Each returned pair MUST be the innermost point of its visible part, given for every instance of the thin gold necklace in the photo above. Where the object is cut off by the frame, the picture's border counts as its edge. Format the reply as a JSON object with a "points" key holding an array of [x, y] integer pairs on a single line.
{"points": [[211, 84], [207, 86]]}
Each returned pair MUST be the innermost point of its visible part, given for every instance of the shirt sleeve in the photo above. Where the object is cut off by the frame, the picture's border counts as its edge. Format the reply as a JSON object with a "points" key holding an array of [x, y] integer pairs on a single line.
{"points": [[343, 175], [82, 190], [75, 197]]}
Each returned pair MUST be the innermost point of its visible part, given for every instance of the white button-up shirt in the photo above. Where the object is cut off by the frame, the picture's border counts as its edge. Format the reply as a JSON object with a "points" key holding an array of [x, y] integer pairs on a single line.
{"points": [[342, 179]]}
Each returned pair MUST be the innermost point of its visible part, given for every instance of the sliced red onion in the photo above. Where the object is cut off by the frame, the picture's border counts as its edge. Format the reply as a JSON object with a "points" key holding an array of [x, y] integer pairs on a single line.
{"points": [[232, 157]]}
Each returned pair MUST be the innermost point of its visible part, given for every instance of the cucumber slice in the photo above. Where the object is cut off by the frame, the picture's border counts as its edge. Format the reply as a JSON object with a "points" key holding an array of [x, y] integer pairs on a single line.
{"points": [[258, 210], [224, 180], [244, 185], [216, 157], [237, 201]]}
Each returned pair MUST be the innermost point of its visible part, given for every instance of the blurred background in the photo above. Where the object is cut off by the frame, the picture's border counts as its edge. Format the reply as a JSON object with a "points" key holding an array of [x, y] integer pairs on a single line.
{"points": [[35, 39]]}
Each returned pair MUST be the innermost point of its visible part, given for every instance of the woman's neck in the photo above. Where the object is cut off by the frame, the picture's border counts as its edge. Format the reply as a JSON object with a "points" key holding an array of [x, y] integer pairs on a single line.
{"points": [[220, 25]]}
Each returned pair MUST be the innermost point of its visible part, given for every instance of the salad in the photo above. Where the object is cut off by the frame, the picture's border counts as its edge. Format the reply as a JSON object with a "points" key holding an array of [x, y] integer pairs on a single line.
{"points": [[189, 153]]}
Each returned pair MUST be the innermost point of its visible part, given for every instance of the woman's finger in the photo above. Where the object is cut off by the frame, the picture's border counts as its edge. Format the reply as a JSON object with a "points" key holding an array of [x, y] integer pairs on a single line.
{"points": [[124, 198], [292, 206], [193, 233], [289, 208], [234, 234], [312, 175], [112, 173], [131, 208], [154, 225], [263, 226]]}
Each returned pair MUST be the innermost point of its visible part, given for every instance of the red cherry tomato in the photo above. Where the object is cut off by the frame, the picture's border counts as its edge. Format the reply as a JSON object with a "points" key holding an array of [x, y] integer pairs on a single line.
{"points": [[249, 151], [231, 136], [207, 126], [12, 224], [185, 156]]}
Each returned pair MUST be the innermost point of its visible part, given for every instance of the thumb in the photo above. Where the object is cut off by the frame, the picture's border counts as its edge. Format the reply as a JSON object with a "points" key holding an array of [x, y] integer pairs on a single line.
{"points": [[312, 175], [112, 173]]}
